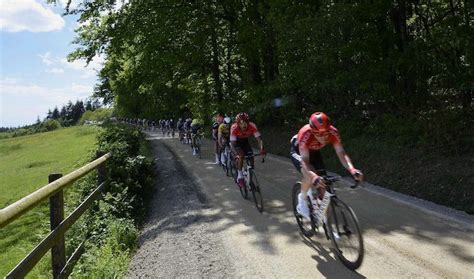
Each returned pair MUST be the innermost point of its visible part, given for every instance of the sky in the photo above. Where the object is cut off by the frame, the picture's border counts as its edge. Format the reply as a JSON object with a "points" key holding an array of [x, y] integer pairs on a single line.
{"points": [[35, 76]]}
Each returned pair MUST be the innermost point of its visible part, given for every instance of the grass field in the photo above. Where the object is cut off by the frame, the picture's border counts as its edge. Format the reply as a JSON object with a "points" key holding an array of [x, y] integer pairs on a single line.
{"points": [[25, 163]]}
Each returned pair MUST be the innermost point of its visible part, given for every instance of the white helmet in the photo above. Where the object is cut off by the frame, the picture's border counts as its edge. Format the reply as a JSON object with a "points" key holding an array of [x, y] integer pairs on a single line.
{"points": [[227, 120]]}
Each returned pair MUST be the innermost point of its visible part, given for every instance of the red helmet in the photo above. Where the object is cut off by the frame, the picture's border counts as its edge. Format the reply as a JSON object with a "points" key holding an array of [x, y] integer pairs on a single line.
{"points": [[243, 116], [319, 121]]}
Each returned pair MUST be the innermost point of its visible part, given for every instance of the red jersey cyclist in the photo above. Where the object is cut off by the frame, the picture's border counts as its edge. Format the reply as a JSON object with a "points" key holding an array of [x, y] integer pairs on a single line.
{"points": [[240, 132], [306, 156]]}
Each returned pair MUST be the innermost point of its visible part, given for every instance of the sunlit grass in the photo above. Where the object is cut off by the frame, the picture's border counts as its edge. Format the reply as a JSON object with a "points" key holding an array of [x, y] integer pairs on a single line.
{"points": [[25, 163]]}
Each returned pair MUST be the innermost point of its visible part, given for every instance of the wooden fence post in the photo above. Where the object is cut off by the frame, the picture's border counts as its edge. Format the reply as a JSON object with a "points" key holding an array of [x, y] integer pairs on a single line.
{"points": [[102, 173], [56, 206]]}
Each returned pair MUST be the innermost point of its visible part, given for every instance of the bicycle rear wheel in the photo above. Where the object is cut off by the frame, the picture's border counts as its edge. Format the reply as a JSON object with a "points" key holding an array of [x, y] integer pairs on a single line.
{"points": [[227, 164], [243, 191], [306, 227], [345, 234], [198, 146], [256, 191]]}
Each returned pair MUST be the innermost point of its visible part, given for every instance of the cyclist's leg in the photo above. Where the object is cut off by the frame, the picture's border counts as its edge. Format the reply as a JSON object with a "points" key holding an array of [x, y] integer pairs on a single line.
{"points": [[295, 158], [249, 152], [317, 161]]}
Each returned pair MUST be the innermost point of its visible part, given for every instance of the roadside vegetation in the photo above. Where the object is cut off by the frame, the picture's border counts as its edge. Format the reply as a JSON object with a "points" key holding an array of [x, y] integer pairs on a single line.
{"points": [[111, 226], [25, 163]]}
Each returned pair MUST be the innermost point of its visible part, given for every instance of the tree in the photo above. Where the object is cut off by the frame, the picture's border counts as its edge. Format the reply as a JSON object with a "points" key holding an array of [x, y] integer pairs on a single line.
{"points": [[55, 114]]}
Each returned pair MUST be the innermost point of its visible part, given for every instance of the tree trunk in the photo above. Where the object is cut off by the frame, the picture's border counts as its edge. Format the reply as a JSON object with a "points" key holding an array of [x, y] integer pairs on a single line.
{"points": [[216, 73]]}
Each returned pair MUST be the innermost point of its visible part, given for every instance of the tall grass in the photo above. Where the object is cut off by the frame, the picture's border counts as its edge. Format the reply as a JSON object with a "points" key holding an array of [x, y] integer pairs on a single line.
{"points": [[25, 163]]}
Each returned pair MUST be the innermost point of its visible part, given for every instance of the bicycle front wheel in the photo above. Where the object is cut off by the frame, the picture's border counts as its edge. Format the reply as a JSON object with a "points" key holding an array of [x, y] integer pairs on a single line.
{"points": [[345, 234], [307, 228], [256, 191]]}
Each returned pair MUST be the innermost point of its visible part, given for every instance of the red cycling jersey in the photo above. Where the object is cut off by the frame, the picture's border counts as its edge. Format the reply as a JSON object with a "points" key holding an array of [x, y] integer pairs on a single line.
{"points": [[307, 140], [237, 133]]}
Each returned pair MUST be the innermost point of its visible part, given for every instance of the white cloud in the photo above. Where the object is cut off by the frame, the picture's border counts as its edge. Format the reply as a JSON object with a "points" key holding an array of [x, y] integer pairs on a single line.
{"points": [[21, 103], [57, 65], [55, 71], [28, 15], [80, 65], [73, 5], [46, 58]]}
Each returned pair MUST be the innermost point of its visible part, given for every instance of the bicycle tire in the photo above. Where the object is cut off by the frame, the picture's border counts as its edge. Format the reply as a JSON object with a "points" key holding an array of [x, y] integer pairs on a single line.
{"points": [[339, 230], [256, 190], [302, 223], [224, 163], [227, 164], [243, 191]]}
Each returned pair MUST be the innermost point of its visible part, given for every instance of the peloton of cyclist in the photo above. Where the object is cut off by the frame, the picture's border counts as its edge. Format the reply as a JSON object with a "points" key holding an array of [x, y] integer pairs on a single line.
{"points": [[306, 156], [240, 132]]}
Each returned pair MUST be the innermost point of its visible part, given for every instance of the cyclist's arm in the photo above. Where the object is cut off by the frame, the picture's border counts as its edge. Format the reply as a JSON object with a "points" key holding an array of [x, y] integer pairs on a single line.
{"points": [[257, 135], [347, 163], [233, 146], [219, 136], [343, 157], [260, 142]]}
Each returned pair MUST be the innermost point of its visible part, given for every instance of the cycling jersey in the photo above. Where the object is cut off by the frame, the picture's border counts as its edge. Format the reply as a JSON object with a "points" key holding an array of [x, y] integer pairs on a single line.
{"points": [[195, 126], [224, 130], [237, 133], [180, 125], [315, 158], [308, 141]]}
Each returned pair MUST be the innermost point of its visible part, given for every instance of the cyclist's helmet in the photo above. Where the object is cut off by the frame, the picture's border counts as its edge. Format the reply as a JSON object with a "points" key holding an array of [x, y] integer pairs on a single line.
{"points": [[243, 116], [319, 122], [227, 120]]}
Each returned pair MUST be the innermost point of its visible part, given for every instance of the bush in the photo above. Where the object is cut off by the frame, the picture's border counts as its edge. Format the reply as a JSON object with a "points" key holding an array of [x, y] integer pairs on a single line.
{"points": [[110, 258], [111, 225], [50, 125], [98, 115]]}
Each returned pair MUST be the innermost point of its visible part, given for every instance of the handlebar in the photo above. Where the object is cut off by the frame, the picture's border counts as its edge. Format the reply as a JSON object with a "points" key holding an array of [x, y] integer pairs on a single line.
{"points": [[332, 179], [247, 157]]}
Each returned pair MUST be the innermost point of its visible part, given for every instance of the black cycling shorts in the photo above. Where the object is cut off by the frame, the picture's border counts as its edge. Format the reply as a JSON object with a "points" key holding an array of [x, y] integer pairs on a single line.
{"points": [[242, 146], [315, 159]]}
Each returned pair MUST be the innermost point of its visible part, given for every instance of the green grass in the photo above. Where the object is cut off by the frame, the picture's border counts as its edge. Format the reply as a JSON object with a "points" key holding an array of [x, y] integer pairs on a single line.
{"points": [[25, 163]]}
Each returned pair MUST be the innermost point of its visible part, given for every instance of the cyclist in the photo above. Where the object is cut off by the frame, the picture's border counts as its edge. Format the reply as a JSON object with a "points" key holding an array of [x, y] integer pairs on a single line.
{"points": [[223, 134], [240, 132], [196, 129], [171, 127], [187, 130], [180, 127], [306, 156], [162, 126], [215, 128]]}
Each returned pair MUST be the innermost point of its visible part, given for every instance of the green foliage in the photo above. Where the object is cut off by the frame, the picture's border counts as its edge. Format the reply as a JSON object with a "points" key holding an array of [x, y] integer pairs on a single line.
{"points": [[110, 258], [166, 58], [98, 115], [111, 225], [50, 125]]}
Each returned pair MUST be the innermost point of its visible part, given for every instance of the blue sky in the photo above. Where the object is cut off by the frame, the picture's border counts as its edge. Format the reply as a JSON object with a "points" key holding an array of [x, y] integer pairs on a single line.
{"points": [[34, 74]]}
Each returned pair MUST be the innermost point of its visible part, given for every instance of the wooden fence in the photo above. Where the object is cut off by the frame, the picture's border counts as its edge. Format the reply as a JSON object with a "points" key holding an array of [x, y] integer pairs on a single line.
{"points": [[55, 239]]}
